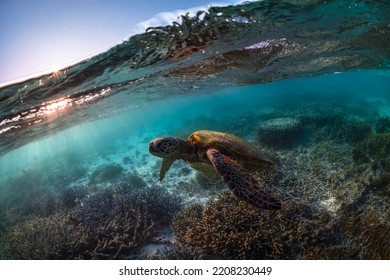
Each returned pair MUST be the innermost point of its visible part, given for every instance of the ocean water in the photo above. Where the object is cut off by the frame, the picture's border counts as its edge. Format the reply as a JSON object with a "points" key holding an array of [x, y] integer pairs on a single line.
{"points": [[305, 82]]}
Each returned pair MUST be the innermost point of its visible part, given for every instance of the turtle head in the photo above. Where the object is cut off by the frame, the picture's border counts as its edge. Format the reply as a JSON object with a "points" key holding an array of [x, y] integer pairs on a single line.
{"points": [[166, 147]]}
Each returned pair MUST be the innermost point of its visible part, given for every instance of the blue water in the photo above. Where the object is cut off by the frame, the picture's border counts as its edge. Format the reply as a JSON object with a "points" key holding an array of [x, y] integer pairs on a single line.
{"points": [[59, 131], [137, 126]]}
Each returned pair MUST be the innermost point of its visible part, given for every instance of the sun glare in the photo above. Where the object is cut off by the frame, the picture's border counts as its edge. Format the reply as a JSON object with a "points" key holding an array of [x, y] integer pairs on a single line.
{"points": [[56, 105]]}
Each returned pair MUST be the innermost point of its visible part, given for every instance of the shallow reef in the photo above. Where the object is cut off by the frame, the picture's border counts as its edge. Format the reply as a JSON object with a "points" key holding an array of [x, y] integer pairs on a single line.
{"points": [[382, 125], [110, 223], [375, 148], [331, 173], [230, 229], [356, 131], [280, 132]]}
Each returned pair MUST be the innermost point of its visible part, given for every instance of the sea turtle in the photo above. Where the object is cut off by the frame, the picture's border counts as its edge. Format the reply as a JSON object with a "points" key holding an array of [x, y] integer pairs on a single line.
{"points": [[231, 157]]}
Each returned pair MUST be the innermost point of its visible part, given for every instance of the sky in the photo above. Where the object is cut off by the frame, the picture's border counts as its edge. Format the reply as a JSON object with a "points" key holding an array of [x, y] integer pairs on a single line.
{"points": [[41, 36]]}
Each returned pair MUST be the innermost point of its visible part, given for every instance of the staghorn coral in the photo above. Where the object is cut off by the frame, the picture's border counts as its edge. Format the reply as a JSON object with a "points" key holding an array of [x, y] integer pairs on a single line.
{"points": [[382, 125], [131, 216], [317, 173], [365, 235], [69, 197], [230, 229], [356, 131], [43, 238], [375, 148], [280, 132], [322, 120], [107, 224], [178, 252]]}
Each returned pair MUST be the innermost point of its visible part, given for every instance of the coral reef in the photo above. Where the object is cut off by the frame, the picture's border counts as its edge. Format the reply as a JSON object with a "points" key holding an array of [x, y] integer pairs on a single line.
{"points": [[68, 198], [323, 120], [173, 251], [374, 148], [365, 235], [131, 217], [280, 132], [356, 131], [382, 125], [105, 173], [230, 229], [106, 224], [53, 237], [180, 252]]}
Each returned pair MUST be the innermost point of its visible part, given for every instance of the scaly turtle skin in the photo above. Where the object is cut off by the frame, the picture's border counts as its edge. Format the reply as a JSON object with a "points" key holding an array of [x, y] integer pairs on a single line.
{"points": [[231, 157]]}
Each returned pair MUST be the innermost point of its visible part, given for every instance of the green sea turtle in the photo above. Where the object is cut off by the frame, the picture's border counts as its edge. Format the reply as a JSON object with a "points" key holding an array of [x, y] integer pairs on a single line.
{"points": [[231, 157]]}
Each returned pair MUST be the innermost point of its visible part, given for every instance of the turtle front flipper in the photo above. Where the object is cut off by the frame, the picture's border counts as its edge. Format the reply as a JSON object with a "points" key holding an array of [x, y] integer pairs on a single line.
{"points": [[166, 164], [240, 182]]}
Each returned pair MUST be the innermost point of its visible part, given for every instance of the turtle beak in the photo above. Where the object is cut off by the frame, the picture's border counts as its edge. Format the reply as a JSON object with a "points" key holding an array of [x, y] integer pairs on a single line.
{"points": [[151, 148], [154, 147]]}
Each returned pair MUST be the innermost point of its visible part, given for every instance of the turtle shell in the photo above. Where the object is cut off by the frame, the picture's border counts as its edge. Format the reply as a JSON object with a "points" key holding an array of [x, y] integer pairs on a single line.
{"points": [[231, 146]]}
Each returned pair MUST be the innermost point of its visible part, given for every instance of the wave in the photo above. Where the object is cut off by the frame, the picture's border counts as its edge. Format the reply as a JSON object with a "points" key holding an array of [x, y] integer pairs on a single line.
{"points": [[244, 44]]}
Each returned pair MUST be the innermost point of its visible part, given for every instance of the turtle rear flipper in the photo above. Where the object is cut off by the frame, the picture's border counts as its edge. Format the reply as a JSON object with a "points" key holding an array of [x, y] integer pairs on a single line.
{"points": [[240, 182]]}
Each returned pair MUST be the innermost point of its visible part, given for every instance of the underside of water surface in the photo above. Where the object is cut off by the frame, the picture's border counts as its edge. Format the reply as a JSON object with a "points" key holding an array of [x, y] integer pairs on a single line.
{"points": [[305, 82]]}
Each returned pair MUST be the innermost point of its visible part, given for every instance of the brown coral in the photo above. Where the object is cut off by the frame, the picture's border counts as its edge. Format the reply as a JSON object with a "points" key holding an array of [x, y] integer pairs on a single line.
{"points": [[112, 223], [231, 229], [43, 238]]}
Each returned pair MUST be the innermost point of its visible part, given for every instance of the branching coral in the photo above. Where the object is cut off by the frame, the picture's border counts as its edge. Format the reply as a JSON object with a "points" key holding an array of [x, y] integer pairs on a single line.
{"points": [[280, 132], [110, 223], [231, 229], [382, 125], [365, 236], [376, 148], [317, 173], [130, 217], [356, 131], [43, 238], [324, 121], [228, 228]]}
